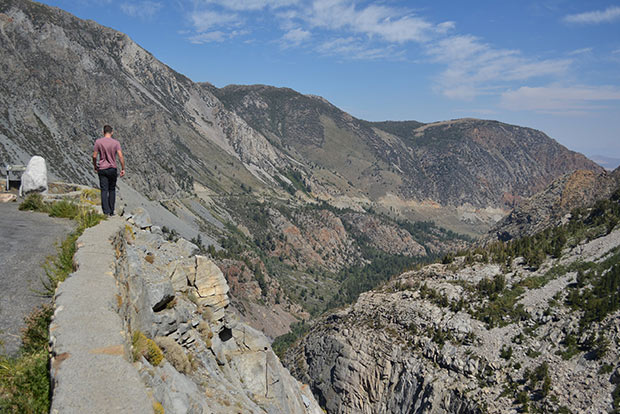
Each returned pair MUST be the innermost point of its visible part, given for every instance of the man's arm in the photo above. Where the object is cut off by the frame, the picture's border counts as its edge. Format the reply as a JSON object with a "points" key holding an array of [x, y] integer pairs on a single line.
{"points": [[95, 154], [122, 159]]}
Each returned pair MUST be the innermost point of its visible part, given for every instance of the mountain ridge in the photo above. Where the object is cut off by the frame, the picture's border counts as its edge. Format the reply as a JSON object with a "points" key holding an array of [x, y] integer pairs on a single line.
{"points": [[281, 181]]}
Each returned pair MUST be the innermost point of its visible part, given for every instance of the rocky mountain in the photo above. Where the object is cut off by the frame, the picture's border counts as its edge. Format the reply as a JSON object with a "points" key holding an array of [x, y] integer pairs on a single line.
{"points": [[176, 305], [527, 326], [63, 78], [552, 205], [465, 161], [302, 204]]}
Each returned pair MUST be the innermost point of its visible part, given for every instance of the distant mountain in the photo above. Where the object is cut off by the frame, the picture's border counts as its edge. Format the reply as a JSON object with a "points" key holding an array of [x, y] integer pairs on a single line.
{"points": [[464, 161], [64, 77], [306, 202]]}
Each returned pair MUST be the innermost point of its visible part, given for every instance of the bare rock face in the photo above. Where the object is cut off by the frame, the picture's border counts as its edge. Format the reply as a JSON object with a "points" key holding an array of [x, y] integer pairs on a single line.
{"points": [[34, 179], [212, 361], [211, 287], [431, 342], [551, 206], [141, 218], [388, 238]]}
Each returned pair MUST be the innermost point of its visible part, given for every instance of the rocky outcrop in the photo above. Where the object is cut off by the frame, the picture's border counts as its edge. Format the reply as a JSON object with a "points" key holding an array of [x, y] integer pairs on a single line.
{"points": [[141, 326], [261, 303], [551, 206], [459, 338], [211, 361], [388, 238], [34, 178]]}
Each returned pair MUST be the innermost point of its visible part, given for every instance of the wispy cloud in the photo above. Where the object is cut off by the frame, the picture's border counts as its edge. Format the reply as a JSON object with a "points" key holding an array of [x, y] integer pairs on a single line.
{"points": [[559, 99], [351, 48], [143, 9], [246, 5], [608, 15], [349, 29], [387, 23], [583, 51], [295, 37], [475, 67], [207, 19]]}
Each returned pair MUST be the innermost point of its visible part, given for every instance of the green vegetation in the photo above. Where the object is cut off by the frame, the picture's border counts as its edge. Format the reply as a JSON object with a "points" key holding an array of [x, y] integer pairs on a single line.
{"points": [[381, 267], [284, 342], [141, 346], [297, 182], [532, 391], [24, 380], [597, 291], [34, 202], [584, 224], [506, 352]]}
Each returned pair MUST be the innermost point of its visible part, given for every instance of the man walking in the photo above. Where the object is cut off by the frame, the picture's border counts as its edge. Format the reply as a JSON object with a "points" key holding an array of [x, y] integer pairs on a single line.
{"points": [[107, 148]]}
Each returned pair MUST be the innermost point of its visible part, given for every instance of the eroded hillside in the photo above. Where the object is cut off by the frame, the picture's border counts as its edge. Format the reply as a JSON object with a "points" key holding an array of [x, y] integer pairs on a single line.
{"points": [[533, 324]]}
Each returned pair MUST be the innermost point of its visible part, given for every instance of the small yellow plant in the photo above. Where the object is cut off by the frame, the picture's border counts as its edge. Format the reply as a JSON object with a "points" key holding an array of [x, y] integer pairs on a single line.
{"points": [[143, 346], [206, 333], [129, 233], [90, 196], [158, 408]]}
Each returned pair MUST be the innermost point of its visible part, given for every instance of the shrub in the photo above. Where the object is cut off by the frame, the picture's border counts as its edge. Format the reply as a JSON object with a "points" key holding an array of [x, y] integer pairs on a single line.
{"points": [[64, 209], [88, 218], [24, 381], [143, 346], [174, 353], [505, 352], [33, 202], [35, 336]]}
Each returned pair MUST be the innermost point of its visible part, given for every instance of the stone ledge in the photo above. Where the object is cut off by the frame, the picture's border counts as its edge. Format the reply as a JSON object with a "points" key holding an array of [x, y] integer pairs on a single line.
{"points": [[90, 370]]}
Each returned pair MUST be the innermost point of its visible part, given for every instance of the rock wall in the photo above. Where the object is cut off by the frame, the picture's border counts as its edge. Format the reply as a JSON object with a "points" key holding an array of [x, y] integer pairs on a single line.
{"points": [[424, 343], [171, 329]]}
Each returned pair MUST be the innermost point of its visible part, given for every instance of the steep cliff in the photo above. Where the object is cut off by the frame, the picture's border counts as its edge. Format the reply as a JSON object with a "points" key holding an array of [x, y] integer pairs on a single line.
{"points": [[192, 352], [497, 330], [63, 78], [552, 205]]}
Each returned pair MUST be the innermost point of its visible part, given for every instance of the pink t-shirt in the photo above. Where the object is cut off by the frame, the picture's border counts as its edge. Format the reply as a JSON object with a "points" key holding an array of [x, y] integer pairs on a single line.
{"points": [[107, 147]]}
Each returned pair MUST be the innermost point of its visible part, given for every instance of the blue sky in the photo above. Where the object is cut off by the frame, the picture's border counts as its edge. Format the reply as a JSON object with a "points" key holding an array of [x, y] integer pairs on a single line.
{"points": [[553, 65]]}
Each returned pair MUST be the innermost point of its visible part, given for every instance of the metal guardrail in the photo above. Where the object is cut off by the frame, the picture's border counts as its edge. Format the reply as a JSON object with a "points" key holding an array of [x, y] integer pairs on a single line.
{"points": [[13, 168]]}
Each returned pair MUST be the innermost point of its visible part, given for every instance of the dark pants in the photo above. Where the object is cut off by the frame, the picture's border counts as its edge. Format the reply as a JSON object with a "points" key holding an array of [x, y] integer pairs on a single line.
{"points": [[107, 183]]}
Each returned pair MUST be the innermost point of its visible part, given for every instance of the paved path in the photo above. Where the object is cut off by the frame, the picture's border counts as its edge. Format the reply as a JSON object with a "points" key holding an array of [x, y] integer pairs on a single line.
{"points": [[90, 371], [26, 239]]}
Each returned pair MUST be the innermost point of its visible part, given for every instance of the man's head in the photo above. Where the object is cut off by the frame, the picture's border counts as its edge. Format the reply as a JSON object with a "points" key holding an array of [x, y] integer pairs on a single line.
{"points": [[107, 130]]}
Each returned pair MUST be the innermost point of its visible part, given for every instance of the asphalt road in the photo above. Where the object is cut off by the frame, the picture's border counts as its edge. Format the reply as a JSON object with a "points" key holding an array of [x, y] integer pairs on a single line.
{"points": [[26, 239]]}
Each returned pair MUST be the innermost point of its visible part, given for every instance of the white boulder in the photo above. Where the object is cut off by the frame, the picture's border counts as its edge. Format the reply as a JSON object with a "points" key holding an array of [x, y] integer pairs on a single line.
{"points": [[34, 179]]}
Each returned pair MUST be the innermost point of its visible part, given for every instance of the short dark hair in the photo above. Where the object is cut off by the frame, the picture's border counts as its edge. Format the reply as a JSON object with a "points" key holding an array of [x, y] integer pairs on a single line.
{"points": [[107, 129]]}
